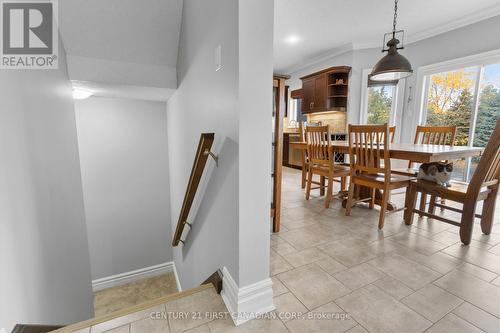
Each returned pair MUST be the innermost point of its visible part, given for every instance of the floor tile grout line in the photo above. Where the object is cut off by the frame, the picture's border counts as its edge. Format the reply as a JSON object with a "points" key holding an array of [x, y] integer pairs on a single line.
{"points": [[456, 314], [434, 283]]}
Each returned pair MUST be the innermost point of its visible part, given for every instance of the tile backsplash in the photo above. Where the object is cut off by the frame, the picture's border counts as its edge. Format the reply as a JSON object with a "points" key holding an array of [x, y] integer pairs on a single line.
{"points": [[336, 119]]}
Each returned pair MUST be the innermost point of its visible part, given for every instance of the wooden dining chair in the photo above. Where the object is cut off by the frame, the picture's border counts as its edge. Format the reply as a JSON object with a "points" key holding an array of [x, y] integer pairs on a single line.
{"points": [[322, 163], [367, 145], [392, 133], [305, 163], [431, 135], [482, 187]]}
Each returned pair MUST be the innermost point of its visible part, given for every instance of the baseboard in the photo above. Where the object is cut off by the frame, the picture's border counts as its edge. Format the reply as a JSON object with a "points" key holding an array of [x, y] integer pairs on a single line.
{"points": [[248, 302], [132, 276]]}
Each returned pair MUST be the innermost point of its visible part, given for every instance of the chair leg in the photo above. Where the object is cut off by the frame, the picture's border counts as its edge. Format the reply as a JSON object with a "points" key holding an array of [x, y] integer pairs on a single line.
{"points": [[443, 202], [349, 198], [383, 207], [432, 204], [304, 171], [322, 186], [309, 183], [488, 212], [423, 201], [410, 201], [372, 199], [342, 183], [467, 222], [329, 192]]}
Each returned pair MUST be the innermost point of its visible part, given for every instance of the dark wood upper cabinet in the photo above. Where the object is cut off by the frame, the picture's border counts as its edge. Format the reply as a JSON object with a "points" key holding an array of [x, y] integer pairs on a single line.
{"points": [[308, 94], [326, 90]]}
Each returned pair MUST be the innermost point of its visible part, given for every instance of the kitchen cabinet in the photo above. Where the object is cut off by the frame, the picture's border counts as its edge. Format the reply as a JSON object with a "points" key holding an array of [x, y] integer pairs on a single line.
{"points": [[326, 90]]}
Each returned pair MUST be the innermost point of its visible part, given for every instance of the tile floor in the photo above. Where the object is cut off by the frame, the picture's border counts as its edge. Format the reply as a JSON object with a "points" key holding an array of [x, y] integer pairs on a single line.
{"points": [[401, 279], [341, 274]]}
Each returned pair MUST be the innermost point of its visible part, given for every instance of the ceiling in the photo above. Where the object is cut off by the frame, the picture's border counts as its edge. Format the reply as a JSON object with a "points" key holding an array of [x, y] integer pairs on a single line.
{"points": [[122, 47], [134, 31], [309, 29]]}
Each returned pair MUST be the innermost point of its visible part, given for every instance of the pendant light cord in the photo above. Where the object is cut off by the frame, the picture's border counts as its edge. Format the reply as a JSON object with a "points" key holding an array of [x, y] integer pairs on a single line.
{"points": [[395, 18]]}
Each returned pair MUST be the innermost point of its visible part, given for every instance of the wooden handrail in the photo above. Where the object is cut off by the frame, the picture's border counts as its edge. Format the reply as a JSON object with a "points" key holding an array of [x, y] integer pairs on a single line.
{"points": [[200, 160]]}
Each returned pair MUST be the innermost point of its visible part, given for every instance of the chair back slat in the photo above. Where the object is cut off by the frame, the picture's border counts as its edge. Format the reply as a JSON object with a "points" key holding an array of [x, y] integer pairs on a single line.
{"points": [[434, 135], [392, 133], [487, 172], [318, 141], [366, 149]]}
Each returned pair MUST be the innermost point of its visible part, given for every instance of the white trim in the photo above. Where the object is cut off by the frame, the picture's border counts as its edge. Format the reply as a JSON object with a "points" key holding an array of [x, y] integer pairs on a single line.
{"points": [[136, 275], [410, 39], [324, 57], [485, 58], [363, 110], [395, 117], [177, 280], [248, 302], [469, 19]]}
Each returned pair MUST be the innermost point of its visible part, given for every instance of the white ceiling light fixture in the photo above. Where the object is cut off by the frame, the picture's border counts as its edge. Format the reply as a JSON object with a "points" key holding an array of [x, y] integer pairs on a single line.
{"points": [[293, 39], [79, 93]]}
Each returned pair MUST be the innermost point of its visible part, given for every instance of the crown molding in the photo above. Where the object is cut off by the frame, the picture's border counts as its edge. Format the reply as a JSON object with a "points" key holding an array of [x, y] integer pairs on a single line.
{"points": [[476, 17], [455, 24], [318, 59]]}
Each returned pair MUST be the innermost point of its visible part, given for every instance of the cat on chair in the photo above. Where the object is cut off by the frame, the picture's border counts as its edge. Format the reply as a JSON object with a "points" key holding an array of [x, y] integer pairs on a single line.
{"points": [[437, 172]]}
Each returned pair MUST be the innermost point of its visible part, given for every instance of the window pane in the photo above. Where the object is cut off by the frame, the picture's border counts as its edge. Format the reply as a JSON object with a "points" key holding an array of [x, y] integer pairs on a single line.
{"points": [[379, 104], [450, 101], [488, 111]]}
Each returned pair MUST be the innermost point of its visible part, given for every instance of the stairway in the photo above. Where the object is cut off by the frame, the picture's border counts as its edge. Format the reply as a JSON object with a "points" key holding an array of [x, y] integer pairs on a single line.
{"points": [[174, 313]]}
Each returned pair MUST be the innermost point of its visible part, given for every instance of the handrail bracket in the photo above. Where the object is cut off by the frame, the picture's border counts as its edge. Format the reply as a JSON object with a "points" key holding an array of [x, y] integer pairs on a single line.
{"points": [[215, 157]]}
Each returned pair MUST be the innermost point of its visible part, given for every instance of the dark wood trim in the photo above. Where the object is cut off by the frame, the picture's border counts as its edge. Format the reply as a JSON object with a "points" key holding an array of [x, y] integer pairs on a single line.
{"points": [[200, 160], [278, 151], [281, 76], [296, 94], [23, 328], [287, 93], [216, 280], [336, 69]]}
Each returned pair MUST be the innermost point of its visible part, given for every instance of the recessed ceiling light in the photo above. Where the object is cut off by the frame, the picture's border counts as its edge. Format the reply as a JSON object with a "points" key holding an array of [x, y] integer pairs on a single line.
{"points": [[79, 93], [293, 39]]}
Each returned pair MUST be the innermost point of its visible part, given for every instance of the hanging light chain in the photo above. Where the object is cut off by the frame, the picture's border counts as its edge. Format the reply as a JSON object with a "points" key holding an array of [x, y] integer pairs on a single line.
{"points": [[395, 15]]}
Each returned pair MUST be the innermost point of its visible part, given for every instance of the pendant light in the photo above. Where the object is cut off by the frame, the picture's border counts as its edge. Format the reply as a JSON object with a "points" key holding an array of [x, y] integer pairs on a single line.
{"points": [[393, 66]]}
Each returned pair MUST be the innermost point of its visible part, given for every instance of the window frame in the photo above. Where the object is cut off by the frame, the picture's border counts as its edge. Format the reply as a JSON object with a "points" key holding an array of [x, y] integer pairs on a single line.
{"points": [[424, 74], [395, 117]]}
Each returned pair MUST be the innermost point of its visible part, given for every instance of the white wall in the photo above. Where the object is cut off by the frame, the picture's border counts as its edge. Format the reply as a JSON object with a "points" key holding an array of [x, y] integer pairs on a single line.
{"points": [[255, 123], [206, 101], [44, 259], [124, 161], [231, 218], [469, 40]]}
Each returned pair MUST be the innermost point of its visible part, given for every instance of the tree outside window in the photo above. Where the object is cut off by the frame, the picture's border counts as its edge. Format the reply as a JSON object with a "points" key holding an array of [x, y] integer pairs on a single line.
{"points": [[380, 100], [450, 101]]}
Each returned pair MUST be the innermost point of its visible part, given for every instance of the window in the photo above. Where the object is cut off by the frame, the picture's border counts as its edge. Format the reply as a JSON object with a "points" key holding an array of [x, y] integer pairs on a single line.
{"points": [[468, 97], [380, 102], [292, 110], [379, 106]]}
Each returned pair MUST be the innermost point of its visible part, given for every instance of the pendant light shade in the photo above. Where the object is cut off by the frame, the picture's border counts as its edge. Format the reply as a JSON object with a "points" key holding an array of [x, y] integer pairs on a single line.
{"points": [[393, 66]]}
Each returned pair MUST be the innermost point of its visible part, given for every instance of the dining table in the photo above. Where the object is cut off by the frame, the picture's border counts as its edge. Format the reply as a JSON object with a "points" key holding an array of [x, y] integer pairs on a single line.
{"points": [[419, 153]]}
